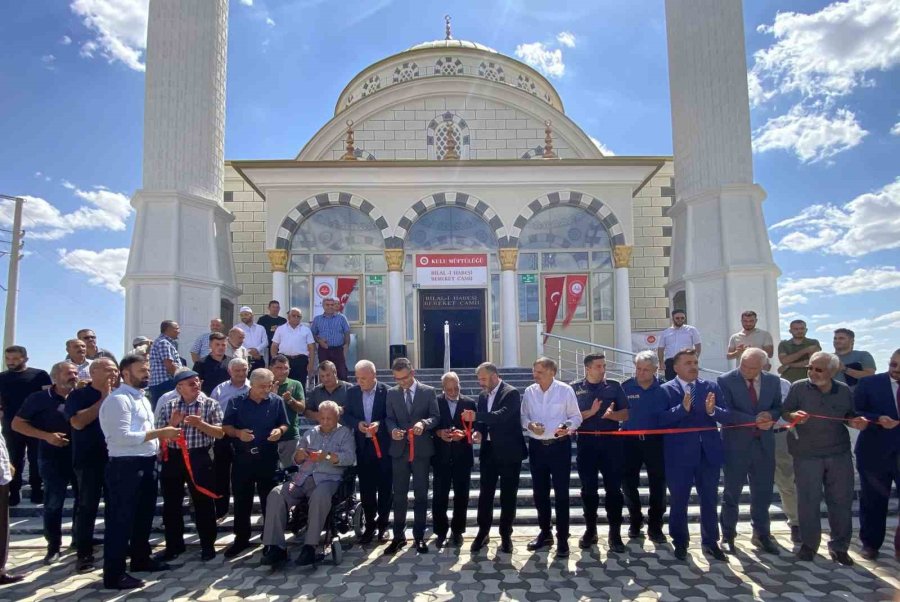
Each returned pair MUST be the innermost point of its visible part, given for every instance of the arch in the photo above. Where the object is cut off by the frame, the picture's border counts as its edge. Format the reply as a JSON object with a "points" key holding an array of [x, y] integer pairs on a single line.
{"points": [[449, 199], [590, 204], [448, 124], [298, 214]]}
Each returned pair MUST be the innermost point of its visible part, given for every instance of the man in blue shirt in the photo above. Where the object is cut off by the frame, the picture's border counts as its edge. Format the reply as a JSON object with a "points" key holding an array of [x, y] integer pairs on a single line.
{"points": [[164, 360], [646, 401], [255, 423], [603, 406], [332, 332]]}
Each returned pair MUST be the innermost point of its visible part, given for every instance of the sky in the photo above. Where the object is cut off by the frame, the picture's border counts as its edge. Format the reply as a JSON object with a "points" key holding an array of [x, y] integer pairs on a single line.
{"points": [[825, 116]]}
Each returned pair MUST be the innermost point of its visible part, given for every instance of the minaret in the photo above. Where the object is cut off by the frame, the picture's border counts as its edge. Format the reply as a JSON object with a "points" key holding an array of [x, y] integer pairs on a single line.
{"points": [[721, 258], [180, 266]]}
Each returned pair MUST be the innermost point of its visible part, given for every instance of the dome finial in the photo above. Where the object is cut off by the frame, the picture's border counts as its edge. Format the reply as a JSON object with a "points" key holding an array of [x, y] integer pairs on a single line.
{"points": [[447, 32]]}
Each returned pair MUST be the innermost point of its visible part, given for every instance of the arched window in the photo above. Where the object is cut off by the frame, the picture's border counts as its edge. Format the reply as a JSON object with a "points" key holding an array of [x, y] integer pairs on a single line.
{"points": [[451, 229], [440, 128], [565, 240]]}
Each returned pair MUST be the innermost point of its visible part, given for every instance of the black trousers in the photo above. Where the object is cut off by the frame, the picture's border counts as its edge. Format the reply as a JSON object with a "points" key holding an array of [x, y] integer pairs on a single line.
{"points": [[173, 478], [223, 454], [17, 445], [89, 475], [670, 368], [56, 471], [419, 469], [875, 482], [447, 474], [603, 455], [375, 487], [299, 368], [646, 452], [252, 473], [551, 465], [131, 490], [492, 471]]}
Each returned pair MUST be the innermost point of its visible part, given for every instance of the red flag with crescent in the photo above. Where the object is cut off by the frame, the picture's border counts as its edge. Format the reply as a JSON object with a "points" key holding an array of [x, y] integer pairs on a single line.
{"points": [[553, 293], [575, 285], [345, 288]]}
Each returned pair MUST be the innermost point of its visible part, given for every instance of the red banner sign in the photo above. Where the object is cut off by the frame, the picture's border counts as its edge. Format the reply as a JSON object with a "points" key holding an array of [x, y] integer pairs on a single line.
{"points": [[553, 293], [575, 285]]}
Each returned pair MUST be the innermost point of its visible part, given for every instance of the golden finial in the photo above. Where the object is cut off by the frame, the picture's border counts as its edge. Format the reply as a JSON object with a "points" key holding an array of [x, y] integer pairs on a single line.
{"points": [[548, 141], [447, 32], [450, 151], [350, 155]]}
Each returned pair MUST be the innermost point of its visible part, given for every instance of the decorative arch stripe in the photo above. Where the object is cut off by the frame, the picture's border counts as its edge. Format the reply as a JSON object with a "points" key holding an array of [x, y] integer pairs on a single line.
{"points": [[588, 203], [298, 214], [449, 199]]}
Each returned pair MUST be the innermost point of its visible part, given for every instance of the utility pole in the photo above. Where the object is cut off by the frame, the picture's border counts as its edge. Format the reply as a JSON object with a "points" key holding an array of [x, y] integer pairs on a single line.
{"points": [[12, 280]]}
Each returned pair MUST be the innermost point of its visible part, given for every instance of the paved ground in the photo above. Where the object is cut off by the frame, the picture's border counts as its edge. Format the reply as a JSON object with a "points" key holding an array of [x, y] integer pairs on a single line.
{"points": [[645, 572]]}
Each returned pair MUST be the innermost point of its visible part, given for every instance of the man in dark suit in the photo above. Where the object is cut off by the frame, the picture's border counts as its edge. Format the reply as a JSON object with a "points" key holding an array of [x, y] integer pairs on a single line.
{"points": [[693, 459], [365, 413], [452, 462], [412, 413], [499, 431], [877, 398], [751, 395]]}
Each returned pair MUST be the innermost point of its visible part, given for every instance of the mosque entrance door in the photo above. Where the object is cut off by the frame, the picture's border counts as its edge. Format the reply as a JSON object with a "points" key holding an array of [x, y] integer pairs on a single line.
{"points": [[464, 310]]}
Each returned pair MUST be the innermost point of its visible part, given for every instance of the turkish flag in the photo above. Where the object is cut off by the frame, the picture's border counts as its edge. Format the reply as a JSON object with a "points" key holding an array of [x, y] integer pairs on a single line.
{"points": [[575, 285], [345, 287], [553, 293]]}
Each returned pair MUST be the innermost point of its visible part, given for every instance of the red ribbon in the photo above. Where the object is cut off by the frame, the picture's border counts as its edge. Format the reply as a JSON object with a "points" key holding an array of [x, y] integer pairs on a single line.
{"points": [[181, 442], [468, 426], [411, 437], [373, 431], [677, 431]]}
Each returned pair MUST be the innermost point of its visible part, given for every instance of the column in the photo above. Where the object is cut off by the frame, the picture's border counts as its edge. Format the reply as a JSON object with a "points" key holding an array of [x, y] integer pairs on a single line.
{"points": [[278, 259], [509, 308], [396, 316], [622, 307]]}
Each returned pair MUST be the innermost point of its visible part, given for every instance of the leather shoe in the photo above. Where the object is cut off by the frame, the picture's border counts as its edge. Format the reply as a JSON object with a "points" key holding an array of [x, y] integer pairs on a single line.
{"points": [[506, 544], [207, 555], [307, 556], [634, 532], [151, 565], [84, 564], [588, 539], [37, 496], [457, 539], [420, 546], [841, 558], [480, 541], [868, 553], [394, 547], [275, 556], [562, 547], [543, 540], [124, 582], [657, 537], [805, 554], [728, 545], [235, 548], [367, 536], [15, 498], [795, 534], [680, 553], [52, 557], [766, 544], [8, 579], [439, 541], [616, 544], [715, 551], [383, 535]]}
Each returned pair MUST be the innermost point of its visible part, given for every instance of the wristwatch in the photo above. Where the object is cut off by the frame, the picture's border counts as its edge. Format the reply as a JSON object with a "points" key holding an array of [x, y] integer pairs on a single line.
{"points": [[328, 457]]}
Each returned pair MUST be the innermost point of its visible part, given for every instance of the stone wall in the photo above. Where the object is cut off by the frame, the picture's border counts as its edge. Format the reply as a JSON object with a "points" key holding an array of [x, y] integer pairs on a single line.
{"points": [[248, 235]]}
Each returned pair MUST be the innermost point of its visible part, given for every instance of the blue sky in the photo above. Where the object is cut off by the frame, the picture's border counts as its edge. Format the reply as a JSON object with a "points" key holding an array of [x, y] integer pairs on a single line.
{"points": [[826, 119]]}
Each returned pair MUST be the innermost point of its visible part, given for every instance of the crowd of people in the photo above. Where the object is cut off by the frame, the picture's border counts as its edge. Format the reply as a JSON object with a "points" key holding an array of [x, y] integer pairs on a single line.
{"points": [[231, 427]]}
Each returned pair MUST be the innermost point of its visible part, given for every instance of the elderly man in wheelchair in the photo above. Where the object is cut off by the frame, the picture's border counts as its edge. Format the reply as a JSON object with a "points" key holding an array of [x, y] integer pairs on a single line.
{"points": [[323, 454]]}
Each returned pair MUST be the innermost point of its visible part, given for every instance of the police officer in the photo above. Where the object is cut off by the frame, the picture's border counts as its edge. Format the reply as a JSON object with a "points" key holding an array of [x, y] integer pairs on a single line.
{"points": [[603, 406], [255, 422]]}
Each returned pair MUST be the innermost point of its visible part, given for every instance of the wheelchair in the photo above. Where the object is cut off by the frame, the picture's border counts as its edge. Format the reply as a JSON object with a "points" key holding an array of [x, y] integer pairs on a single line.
{"points": [[346, 514]]}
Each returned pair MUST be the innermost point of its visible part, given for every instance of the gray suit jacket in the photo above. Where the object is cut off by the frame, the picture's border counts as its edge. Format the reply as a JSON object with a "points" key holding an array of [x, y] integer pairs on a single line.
{"points": [[737, 401], [424, 408]]}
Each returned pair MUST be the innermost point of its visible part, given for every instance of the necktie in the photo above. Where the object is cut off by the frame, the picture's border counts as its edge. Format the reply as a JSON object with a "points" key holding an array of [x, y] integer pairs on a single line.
{"points": [[692, 389], [752, 391], [409, 401]]}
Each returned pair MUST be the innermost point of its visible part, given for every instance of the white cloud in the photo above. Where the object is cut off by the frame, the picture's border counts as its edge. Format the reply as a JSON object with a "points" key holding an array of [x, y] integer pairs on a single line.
{"points": [[247, 2], [119, 28], [828, 53], [541, 57], [812, 136], [49, 61], [270, 22], [67, 184], [103, 268], [607, 152], [895, 131], [65, 40], [566, 38], [794, 291], [868, 223], [105, 210]]}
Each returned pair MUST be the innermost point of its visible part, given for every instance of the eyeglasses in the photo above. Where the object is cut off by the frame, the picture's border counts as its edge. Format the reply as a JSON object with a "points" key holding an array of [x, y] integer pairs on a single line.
{"points": [[815, 369]]}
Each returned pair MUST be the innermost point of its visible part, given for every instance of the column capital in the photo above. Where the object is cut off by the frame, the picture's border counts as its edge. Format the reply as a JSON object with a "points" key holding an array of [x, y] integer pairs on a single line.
{"points": [[622, 255], [278, 259], [508, 259], [394, 259]]}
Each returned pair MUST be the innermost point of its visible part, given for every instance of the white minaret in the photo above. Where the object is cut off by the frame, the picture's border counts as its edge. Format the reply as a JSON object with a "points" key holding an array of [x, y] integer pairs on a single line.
{"points": [[180, 266], [721, 258]]}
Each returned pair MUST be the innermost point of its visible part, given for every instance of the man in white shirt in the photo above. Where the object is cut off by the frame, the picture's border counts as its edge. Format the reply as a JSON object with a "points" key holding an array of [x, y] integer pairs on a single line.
{"points": [[256, 341], [296, 341], [675, 338], [550, 415], [126, 419]]}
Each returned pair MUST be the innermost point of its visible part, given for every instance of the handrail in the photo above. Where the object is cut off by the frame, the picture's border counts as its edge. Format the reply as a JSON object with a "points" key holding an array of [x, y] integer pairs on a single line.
{"points": [[446, 346], [588, 343]]}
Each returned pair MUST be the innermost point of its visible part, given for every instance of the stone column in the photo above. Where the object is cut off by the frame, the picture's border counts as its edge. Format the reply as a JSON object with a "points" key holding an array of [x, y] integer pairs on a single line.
{"points": [[278, 259], [622, 307], [509, 308], [396, 315]]}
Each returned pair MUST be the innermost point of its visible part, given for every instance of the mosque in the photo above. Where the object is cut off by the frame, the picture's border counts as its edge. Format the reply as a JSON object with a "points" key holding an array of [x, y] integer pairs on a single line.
{"points": [[450, 187]]}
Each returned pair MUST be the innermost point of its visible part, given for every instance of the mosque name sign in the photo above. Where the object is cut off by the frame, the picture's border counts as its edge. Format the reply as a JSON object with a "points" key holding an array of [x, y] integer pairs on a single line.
{"points": [[451, 269]]}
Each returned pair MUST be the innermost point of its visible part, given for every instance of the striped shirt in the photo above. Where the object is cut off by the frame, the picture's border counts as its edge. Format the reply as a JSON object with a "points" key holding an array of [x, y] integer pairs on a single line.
{"points": [[206, 408], [331, 328], [163, 348]]}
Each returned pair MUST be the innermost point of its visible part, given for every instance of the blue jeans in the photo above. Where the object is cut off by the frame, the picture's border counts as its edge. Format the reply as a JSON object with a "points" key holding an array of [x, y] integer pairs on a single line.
{"points": [[131, 491], [56, 472]]}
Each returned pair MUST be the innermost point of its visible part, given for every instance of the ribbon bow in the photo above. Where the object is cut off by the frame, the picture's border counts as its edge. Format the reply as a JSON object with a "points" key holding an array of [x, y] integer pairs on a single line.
{"points": [[181, 443]]}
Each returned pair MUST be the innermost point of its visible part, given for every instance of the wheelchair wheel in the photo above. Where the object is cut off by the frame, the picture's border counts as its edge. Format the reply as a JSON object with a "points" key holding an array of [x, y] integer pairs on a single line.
{"points": [[337, 552], [358, 520]]}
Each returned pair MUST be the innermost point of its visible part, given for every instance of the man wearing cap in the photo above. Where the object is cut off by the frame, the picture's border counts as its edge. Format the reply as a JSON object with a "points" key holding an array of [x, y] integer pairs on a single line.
{"points": [[255, 339], [141, 345], [200, 419], [213, 369], [200, 348], [295, 340]]}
